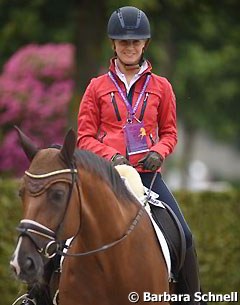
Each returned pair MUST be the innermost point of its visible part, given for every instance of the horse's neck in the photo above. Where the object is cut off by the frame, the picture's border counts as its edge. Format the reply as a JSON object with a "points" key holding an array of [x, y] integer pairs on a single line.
{"points": [[104, 218]]}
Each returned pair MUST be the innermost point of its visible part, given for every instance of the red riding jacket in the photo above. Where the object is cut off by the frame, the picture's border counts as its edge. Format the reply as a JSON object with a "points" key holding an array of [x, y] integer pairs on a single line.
{"points": [[101, 117]]}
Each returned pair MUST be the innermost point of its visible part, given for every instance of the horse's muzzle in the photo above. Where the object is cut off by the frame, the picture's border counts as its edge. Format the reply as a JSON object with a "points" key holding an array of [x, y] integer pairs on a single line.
{"points": [[27, 263]]}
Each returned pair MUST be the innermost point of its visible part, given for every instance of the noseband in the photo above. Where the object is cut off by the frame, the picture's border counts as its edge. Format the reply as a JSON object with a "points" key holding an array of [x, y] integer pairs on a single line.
{"points": [[31, 228]]}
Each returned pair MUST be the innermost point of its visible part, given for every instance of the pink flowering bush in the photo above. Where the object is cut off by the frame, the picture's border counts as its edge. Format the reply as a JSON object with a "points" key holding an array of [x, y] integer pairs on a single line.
{"points": [[36, 87]]}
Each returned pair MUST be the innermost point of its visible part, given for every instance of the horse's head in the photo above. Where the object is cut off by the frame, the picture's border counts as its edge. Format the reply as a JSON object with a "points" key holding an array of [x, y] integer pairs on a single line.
{"points": [[49, 196]]}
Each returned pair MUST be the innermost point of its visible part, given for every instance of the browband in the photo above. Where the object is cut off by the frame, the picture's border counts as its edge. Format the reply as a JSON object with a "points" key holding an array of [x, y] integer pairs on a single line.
{"points": [[57, 172]]}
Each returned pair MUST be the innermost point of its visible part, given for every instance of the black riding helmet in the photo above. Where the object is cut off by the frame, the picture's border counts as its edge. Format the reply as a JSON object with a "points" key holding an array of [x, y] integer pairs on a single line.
{"points": [[127, 23]]}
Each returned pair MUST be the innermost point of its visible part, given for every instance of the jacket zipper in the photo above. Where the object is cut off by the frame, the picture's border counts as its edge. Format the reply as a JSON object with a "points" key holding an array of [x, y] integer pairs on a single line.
{"points": [[151, 138], [113, 100], [143, 107]]}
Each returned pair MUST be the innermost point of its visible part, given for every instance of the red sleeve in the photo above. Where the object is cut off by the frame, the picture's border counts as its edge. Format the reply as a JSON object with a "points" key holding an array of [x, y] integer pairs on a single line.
{"points": [[167, 125], [89, 123]]}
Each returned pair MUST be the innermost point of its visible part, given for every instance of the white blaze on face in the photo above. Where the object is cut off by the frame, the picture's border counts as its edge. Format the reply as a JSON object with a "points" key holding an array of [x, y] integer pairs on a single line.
{"points": [[14, 261]]}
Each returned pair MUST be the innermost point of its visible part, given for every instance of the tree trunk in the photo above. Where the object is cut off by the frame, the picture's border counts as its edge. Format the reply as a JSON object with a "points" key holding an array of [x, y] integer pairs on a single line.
{"points": [[90, 33]]}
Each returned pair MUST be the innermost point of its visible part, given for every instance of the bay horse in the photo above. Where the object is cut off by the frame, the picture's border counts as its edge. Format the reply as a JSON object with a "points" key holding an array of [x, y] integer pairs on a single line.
{"points": [[70, 193]]}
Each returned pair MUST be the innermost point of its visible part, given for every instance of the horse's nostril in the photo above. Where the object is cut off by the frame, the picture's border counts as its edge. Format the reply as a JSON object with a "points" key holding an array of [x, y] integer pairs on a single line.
{"points": [[29, 264]]}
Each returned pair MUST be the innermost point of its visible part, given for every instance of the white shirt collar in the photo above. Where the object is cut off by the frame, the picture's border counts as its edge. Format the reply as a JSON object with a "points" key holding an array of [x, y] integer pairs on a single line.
{"points": [[122, 77]]}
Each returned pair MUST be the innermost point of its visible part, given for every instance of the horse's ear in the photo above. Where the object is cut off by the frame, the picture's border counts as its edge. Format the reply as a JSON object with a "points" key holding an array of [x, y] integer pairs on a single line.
{"points": [[68, 147], [28, 146]]}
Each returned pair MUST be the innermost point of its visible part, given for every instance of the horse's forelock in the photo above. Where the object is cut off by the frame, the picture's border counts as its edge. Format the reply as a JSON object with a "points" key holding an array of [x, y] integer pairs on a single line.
{"points": [[45, 161]]}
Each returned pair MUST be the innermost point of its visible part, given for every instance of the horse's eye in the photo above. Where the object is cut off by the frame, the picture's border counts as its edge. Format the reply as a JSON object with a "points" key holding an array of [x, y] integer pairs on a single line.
{"points": [[56, 195]]}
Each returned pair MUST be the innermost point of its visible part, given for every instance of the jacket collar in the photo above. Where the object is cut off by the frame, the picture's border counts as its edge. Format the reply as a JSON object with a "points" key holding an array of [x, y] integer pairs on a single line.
{"points": [[112, 66]]}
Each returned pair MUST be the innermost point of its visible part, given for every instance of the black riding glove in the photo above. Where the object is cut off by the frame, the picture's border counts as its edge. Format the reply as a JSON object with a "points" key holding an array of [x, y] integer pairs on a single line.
{"points": [[119, 160], [151, 161]]}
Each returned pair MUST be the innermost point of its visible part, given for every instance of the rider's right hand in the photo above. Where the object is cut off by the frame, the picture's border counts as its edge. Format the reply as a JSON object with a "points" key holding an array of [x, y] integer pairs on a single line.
{"points": [[119, 159]]}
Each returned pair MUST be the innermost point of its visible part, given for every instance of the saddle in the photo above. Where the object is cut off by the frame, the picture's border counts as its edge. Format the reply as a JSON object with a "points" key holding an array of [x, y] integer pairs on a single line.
{"points": [[163, 216]]}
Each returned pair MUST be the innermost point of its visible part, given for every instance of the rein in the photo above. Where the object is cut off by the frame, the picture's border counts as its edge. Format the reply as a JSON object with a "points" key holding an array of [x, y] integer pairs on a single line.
{"points": [[110, 245], [28, 227]]}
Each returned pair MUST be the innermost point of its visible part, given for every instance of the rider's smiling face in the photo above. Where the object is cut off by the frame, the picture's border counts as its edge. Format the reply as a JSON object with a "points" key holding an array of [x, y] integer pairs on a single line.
{"points": [[129, 51]]}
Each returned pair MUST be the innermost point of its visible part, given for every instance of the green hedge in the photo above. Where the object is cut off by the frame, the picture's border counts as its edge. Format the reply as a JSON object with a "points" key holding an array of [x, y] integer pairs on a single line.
{"points": [[214, 221], [10, 211], [213, 218]]}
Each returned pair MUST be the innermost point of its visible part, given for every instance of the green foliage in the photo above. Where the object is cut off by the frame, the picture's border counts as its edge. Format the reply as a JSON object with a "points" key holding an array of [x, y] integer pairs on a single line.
{"points": [[34, 21], [207, 88], [10, 211], [212, 217], [214, 221]]}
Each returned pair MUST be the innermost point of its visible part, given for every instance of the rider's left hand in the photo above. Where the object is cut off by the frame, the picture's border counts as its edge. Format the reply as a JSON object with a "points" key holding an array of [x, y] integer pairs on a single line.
{"points": [[151, 161]]}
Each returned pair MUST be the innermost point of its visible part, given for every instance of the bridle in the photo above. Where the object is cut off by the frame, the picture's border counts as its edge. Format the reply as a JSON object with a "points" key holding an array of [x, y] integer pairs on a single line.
{"points": [[31, 228]]}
